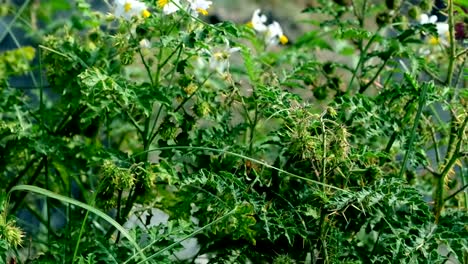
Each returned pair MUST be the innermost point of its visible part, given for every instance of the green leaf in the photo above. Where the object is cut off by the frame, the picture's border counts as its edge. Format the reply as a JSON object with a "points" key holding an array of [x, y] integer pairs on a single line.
{"points": [[463, 3], [99, 213]]}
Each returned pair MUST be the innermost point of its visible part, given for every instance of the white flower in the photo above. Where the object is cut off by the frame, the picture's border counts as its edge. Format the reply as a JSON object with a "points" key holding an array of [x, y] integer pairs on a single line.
{"points": [[258, 21], [219, 59], [199, 6], [442, 29], [130, 8], [425, 19], [145, 44], [169, 6], [274, 35]]}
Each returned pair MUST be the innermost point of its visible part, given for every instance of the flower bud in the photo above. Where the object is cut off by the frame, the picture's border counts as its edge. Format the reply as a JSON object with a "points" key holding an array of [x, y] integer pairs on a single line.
{"points": [[308, 80], [401, 22], [392, 4], [190, 89], [202, 109], [414, 12], [426, 5], [328, 68], [382, 19], [334, 83], [320, 93]]}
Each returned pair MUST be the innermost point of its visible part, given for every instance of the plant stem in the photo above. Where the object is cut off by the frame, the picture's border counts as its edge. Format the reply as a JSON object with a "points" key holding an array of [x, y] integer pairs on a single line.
{"points": [[223, 151], [422, 103], [324, 157], [457, 81], [83, 224], [33, 178], [439, 192], [182, 239], [361, 62], [456, 192], [253, 124], [12, 22], [17, 179], [362, 89], [119, 209], [452, 48]]}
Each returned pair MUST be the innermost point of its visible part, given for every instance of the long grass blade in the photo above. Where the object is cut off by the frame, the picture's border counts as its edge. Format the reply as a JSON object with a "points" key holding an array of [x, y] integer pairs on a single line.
{"points": [[99, 213]]}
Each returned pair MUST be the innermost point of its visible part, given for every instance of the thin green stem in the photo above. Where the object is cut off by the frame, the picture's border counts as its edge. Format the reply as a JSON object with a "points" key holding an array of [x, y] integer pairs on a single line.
{"points": [[130, 117], [33, 178], [253, 124], [434, 140], [80, 234], [182, 239], [464, 179], [12, 22], [20, 175], [457, 80], [34, 189], [156, 119], [324, 156], [452, 47], [223, 151], [382, 66], [147, 68], [361, 61], [422, 103], [119, 217], [456, 192], [155, 133], [41, 90], [455, 155], [47, 186]]}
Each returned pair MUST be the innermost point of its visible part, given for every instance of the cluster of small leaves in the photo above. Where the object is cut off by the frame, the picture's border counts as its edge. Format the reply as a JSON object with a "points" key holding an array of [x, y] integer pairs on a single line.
{"points": [[11, 236], [15, 62], [385, 221]]}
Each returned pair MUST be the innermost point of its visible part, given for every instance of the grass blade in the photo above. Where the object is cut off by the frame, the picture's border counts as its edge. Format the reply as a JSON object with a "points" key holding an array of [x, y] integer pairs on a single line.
{"points": [[99, 213]]}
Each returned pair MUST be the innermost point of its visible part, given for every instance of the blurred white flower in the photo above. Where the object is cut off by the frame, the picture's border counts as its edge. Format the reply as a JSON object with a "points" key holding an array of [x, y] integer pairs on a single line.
{"points": [[145, 44], [130, 8], [169, 6], [425, 19], [219, 61], [258, 21], [442, 29], [199, 6], [274, 35], [219, 58]]}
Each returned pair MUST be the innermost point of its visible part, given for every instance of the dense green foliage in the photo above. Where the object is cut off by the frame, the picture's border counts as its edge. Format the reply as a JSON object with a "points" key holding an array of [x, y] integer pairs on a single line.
{"points": [[348, 145]]}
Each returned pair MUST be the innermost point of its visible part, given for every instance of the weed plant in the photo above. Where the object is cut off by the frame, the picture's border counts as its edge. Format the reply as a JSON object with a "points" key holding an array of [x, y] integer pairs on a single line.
{"points": [[347, 144]]}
